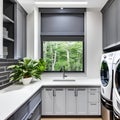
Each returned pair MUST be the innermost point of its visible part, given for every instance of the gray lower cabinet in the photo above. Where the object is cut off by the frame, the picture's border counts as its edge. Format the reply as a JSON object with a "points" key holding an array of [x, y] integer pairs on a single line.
{"points": [[47, 101], [31, 110], [81, 101], [71, 101], [59, 101]]}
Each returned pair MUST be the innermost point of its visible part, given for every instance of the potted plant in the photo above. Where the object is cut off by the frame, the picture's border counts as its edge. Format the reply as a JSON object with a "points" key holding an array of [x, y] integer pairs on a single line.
{"points": [[26, 70]]}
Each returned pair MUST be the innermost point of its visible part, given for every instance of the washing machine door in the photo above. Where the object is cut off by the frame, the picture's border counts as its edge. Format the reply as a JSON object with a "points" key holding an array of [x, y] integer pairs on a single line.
{"points": [[104, 73], [117, 78]]}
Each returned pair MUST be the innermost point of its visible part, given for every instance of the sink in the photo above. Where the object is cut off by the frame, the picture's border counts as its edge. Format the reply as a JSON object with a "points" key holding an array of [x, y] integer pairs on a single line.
{"points": [[64, 80]]}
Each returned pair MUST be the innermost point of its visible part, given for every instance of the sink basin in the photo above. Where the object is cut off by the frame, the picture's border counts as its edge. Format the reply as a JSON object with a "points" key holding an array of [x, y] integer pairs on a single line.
{"points": [[64, 80]]}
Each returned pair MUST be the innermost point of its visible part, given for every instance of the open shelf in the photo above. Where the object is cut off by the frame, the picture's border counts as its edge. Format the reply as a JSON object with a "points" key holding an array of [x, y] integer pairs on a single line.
{"points": [[7, 19], [8, 29]]}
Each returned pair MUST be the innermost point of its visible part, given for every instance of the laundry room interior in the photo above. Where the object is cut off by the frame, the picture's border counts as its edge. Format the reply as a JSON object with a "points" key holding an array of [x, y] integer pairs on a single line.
{"points": [[59, 60]]}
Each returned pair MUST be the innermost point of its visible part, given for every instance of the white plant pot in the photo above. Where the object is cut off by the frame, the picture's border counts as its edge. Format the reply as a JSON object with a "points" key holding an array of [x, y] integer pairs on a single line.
{"points": [[26, 81]]}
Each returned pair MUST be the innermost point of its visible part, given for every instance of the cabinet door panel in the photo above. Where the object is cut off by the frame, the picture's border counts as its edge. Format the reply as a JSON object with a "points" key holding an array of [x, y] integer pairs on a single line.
{"points": [[47, 101], [22, 113], [112, 25], [93, 108], [20, 42], [82, 101], [118, 20], [34, 101], [70, 101], [59, 101], [37, 113]]}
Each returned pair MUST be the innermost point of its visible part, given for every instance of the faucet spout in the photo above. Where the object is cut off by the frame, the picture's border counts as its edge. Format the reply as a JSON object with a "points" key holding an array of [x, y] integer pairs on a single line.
{"points": [[64, 75]]}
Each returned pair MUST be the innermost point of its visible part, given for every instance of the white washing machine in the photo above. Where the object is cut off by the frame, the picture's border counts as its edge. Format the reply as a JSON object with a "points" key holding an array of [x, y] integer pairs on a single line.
{"points": [[107, 85], [107, 75], [116, 86]]}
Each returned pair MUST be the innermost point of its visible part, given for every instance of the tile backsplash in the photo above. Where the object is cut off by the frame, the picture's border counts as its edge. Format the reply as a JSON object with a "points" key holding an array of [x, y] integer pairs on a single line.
{"points": [[4, 72]]}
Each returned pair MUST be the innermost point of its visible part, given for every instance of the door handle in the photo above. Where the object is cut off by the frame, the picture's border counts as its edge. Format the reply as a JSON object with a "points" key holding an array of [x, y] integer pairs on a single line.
{"points": [[76, 92], [54, 93]]}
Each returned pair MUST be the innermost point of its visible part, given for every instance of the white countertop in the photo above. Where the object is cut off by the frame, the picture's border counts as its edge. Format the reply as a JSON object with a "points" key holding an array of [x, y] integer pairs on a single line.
{"points": [[14, 96]]}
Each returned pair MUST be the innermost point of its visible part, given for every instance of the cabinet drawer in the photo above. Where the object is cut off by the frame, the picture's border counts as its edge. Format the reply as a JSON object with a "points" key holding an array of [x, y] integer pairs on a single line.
{"points": [[93, 97], [93, 108], [34, 101], [93, 90], [22, 113]]}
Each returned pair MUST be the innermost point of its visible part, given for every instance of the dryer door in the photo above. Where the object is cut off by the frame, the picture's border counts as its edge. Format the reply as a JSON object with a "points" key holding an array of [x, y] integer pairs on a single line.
{"points": [[117, 78], [104, 73]]}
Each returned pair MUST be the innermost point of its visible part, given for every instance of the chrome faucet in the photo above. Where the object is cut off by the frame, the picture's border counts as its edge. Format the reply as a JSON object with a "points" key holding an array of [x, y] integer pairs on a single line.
{"points": [[63, 70]]}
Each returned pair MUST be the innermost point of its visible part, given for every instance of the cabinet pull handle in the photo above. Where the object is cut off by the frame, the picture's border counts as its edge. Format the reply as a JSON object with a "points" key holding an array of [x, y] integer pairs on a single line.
{"points": [[81, 89], [92, 93], [54, 93], [93, 89], [48, 89], [59, 89], [30, 117], [76, 92], [93, 104], [70, 89]]}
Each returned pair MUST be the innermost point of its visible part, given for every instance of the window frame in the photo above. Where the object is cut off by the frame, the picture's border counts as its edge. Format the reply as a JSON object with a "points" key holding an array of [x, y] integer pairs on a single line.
{"points": [[73, 37]]}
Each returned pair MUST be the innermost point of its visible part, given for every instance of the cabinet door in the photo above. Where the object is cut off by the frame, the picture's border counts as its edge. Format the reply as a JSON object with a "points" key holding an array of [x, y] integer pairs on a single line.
{"points": [[47, 101], [118, 20], [22, 113], [36, 115], [110, 24], [59, 101], [70, 101], [20, 40], [81, 101]]}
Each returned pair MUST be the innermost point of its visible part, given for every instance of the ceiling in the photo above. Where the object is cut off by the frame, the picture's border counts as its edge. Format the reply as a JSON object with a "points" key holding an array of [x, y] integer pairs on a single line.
{"points": [[29, 5]]}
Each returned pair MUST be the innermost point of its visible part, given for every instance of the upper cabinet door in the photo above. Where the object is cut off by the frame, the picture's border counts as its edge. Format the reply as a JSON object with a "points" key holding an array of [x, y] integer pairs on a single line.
{"points": [[20, 42], [110, 24], [59, 101], [118, 20]]}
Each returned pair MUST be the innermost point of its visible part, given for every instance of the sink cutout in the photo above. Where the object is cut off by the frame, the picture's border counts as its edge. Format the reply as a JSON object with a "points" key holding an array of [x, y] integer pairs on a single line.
{"points": [[64, 80]]}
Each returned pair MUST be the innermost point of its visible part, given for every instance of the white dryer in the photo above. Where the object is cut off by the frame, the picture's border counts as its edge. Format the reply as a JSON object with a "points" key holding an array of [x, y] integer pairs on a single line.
{"points": [[116, 86], [107, 76]]}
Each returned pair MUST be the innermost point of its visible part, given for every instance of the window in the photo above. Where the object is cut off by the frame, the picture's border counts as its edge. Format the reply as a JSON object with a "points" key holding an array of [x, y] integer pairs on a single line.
{"points": [[63, 51], [62, 38]]}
